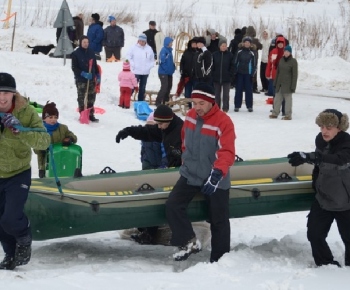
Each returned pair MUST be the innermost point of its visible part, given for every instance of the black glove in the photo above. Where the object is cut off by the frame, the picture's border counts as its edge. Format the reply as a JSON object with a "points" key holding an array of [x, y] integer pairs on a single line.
{"points": [[299, 158], [176, 152], [67, 141], [122, 135], [212, 182]]}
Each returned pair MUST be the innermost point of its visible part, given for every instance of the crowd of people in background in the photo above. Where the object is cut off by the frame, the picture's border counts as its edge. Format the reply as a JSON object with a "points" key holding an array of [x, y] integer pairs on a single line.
{"points": [[211, 58]]}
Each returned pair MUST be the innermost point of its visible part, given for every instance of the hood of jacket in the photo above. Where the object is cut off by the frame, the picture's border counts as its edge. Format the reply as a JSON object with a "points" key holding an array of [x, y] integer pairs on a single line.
{"points": [[250, 31], [167, 40]]}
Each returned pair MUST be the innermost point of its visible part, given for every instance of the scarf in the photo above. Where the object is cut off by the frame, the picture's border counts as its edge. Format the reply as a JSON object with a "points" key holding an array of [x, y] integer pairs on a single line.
{"points": [[51, 128]]}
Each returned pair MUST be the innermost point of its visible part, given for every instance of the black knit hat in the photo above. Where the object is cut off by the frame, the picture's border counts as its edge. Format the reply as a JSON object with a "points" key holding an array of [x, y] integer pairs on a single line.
{"points": [[333, 118], [204, 91], [152, 22], [95, 16], [49, 110], [200, 39], [163, 114], [238, 31], [7, 83]]}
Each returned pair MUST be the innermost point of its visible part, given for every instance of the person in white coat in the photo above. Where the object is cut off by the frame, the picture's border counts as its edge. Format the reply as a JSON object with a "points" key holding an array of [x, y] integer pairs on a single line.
{"points": [[265, 41], [141, 58]]}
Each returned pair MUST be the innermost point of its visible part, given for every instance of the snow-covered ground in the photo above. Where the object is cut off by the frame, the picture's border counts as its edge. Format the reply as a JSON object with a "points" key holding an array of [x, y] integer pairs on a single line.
{"points": [[267, 252]]}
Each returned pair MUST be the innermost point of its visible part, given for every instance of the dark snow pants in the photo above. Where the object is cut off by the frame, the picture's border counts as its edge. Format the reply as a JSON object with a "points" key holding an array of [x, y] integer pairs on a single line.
{"points": [[319, 224], [81, 89], [14, 224], [166, 83], [181, 227], [244, 82], [263, 79], [112, 50], [225, 89], [142, 81]]}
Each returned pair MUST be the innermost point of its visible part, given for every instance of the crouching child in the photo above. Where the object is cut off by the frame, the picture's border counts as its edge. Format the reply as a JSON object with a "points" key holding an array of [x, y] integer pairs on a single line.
{"points": [[59, 134]]}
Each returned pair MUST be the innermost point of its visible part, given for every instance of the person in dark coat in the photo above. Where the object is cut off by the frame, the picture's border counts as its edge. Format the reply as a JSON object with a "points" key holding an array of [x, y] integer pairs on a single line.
{"points": [[331, 182], [82, 57], [251, 32], [79, 27], [245, 69], [153, 154], [212, 40], [203, 63], [150, 33], [186, 68], [233, 48], [223, 70], [95, 34], [167, 130], [113, 39], [70, 33]]}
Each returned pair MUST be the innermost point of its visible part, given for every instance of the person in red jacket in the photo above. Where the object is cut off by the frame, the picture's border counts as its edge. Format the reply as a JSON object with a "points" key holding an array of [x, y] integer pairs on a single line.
{"points": [[208, 151]]}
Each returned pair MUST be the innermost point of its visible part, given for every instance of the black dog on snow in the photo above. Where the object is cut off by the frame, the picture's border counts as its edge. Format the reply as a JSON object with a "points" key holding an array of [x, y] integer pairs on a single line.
{"points": [[45, 49]]}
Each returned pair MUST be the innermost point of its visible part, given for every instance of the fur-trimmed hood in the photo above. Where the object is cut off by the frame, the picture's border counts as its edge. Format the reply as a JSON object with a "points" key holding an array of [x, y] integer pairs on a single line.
{"points": [[252, 46], [333, 118], [20, 101], [250, 32]]}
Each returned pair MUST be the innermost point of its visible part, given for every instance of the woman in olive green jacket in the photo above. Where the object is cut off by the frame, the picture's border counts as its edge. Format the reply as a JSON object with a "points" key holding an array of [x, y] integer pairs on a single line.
{"points": [[15, 171]]}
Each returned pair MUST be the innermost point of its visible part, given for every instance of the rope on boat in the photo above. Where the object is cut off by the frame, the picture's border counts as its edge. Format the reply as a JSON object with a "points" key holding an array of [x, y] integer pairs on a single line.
{"points": [[58, 182], [119, 201]]}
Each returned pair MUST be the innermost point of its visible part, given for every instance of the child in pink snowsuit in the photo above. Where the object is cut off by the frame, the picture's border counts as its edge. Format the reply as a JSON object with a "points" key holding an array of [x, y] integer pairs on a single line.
{"points": [[127, 83]]}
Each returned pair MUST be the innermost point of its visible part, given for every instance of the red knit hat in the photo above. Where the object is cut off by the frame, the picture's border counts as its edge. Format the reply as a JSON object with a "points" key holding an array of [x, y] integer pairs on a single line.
{"points": [[49, 110], [203, 91]]}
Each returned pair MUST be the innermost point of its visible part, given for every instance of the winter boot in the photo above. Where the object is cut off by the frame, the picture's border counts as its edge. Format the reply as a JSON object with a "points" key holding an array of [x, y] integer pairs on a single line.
{"points": [[8, 263], [192, 247], [93, 119], [41, 173], [143, 238], [23, 250]]}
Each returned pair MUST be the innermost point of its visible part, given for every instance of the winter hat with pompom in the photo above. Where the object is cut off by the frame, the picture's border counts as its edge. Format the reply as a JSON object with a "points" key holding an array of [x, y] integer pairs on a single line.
{"points": [[49, 110], [126, 65]]}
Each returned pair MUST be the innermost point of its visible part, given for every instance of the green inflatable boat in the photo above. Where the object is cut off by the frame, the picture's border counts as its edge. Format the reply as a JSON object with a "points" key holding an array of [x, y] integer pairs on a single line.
{"points": [[115, 201]]}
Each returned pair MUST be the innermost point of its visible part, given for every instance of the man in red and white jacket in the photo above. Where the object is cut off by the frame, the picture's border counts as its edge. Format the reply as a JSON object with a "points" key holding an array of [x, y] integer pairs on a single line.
{"points": [[208, 151]]}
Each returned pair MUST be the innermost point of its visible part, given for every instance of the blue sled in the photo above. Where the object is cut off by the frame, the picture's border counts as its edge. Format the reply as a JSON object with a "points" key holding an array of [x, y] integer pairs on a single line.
{"points": [[142, 110]]}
